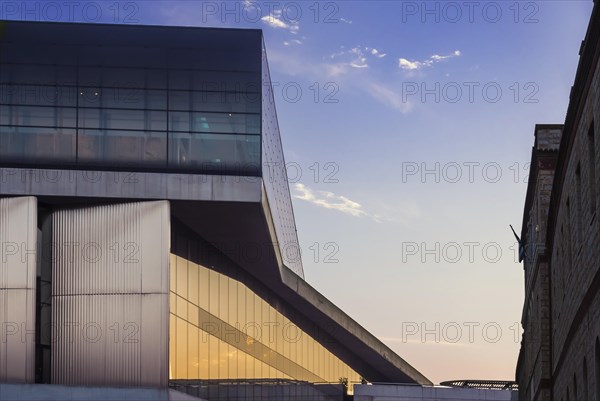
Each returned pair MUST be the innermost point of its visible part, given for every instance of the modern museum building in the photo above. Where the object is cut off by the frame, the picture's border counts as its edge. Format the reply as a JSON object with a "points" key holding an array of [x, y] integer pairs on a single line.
{"points": [[147, 235]]}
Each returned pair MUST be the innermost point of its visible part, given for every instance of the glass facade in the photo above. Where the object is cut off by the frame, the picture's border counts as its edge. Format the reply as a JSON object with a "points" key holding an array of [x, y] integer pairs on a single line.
{"points": [[221, 329], [106, 98]]}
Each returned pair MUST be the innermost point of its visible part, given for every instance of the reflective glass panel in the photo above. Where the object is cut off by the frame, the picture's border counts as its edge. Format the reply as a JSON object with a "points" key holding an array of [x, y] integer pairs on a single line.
{"points": [[127, 147], [214, 151], [226, 123], [235, 334], [37, 143]]}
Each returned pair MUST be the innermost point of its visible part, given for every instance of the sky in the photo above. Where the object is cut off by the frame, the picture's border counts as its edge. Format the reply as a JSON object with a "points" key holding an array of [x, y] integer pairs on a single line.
{"points": [[407, 128]]}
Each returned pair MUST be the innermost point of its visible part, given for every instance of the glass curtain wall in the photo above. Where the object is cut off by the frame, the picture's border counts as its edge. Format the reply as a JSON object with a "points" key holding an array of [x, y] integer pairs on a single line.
{"points": [[221, 329], [87, 112]]}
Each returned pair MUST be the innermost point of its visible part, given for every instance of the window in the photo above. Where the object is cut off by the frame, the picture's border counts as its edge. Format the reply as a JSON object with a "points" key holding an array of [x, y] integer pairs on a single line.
{"points": [[568, 240], [597, 369], [585, 380], [592, 167], [579, 211]]}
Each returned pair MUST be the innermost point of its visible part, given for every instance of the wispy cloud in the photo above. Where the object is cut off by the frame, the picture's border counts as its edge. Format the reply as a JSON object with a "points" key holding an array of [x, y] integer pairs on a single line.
{"points": [[274, 20], [354, 57], [329, 200], [343, 74], [359, 61], [412, 65], [376, 53], [404, 212], [347, 21], [357, 57], [385, 95], [409, 65], [292, 42]]}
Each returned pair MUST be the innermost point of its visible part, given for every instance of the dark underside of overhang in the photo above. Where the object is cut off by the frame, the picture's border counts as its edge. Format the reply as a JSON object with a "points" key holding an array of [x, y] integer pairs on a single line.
{"points": [[241, 231]]}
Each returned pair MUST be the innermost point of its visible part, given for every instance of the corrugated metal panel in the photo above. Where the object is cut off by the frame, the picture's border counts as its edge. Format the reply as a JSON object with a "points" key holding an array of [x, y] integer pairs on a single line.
{"points": [[110, 295], [18, 248]]}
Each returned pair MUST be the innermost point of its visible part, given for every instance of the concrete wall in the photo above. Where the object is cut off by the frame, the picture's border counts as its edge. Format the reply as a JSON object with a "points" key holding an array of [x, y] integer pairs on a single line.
{"points": [[128, 185], [417, 393], [18, 251]]}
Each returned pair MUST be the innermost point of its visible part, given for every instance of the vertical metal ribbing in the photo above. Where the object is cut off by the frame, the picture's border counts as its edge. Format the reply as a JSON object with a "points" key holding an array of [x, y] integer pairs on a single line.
{"points": [[18, 248], [115, 274]]}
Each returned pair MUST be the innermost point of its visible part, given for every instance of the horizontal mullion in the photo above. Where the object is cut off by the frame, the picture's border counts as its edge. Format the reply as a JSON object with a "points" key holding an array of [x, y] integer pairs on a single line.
{"points": [[233, 92], [214, 133], [133, 68], [40, 126], [132, 109], [80, 128], [166, 110], [166, 132]]}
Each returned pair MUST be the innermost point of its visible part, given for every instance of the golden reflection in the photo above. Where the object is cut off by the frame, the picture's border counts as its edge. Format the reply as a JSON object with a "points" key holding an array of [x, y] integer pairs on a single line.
{"points": [[220, 329]]}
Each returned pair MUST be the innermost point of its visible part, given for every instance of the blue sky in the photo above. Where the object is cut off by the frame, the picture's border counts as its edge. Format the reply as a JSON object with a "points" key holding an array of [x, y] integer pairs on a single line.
{"points": [[412, 257]]}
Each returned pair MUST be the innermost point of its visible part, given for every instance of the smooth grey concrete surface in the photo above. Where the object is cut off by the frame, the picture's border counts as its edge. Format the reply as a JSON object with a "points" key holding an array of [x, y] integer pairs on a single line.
{"points": [[392, 392], [53, 392], [128, 185]]}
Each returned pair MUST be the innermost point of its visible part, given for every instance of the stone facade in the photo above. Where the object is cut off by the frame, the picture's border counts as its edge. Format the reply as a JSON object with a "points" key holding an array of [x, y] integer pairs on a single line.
{"points": [[533, 372], [560, 350]]}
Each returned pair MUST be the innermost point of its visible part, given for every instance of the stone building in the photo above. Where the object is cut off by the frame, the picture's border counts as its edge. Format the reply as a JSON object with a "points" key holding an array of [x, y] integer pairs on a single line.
{"points": [[533, 370], [560, 350]]}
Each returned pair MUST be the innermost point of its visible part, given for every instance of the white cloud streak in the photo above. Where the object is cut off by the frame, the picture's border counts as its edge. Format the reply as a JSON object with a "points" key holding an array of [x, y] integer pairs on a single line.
{"points": [[274, 21], [412, 65], [403, 213], [329, 200], [377, 54]]}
